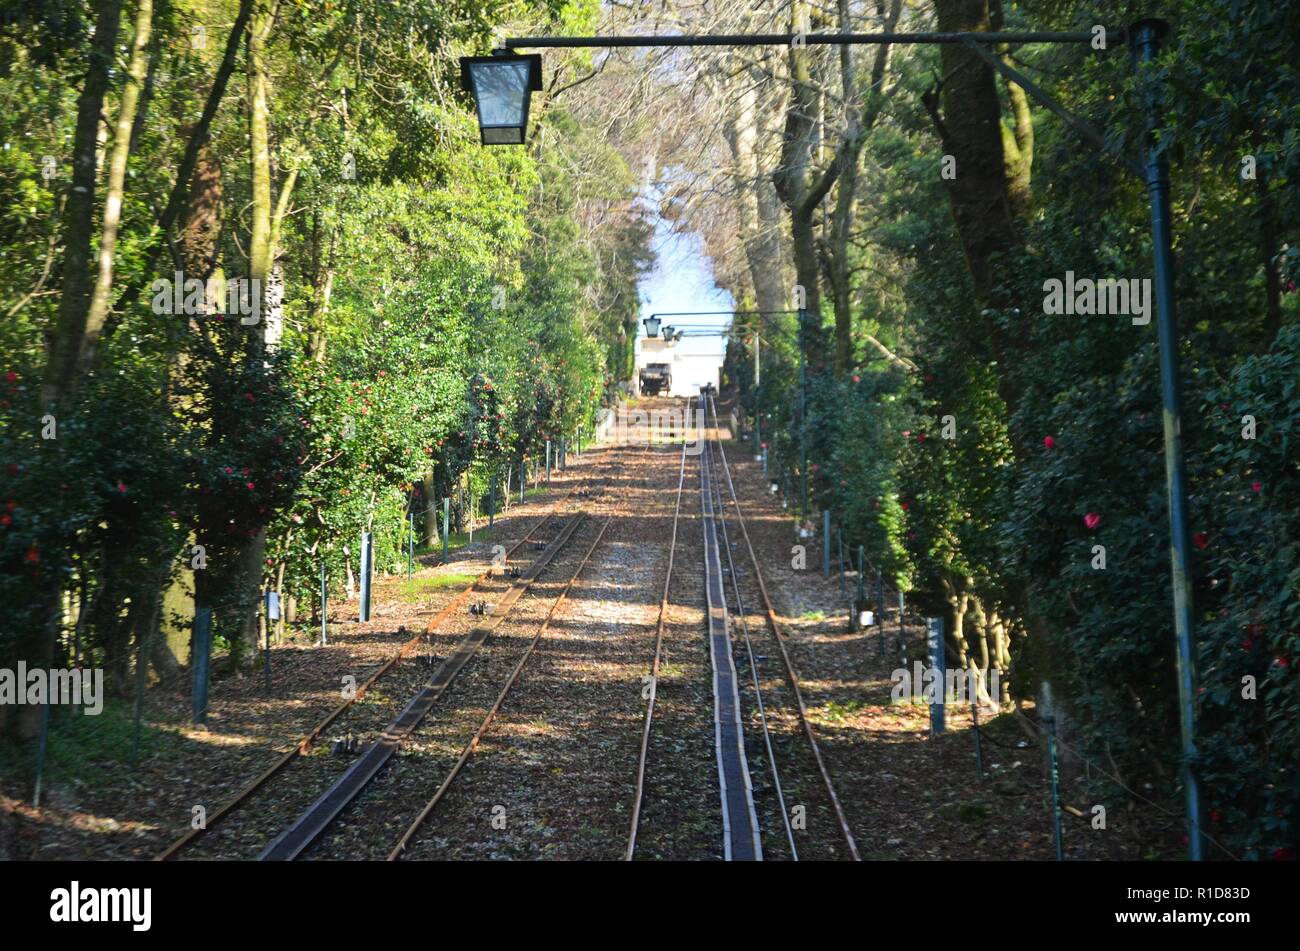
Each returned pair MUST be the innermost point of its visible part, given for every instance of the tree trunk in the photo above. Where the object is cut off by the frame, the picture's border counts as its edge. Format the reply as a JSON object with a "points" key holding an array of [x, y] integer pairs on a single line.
{"points": [[195, 143], [97, 311], [79, 210]]}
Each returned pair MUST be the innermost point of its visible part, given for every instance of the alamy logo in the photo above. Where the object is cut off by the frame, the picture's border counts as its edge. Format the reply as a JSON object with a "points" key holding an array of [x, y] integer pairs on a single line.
{"points": [[103, 904], [182, 295], [1128, 296], [63, 686], [936, 685]]}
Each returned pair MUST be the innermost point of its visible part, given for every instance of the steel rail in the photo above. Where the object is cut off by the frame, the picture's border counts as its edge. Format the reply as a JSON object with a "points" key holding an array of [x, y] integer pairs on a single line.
{"points": [[734, 779], [472, 745], [785, 655], [309, 739], [639, 795], [308, 827], [753, 666]]}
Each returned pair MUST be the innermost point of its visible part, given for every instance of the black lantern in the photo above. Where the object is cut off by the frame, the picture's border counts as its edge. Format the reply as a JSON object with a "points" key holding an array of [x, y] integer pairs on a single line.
{"points": [[651, 326], [502, 86]]}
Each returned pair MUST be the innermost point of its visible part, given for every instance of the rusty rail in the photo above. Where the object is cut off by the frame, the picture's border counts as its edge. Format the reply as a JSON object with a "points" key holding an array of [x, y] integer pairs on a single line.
{"points": [[654, 667], [472, 745], [309, 739], [308, 827]]}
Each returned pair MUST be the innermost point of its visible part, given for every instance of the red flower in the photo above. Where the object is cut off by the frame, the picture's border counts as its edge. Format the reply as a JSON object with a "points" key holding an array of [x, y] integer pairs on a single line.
{"points": [[1282, 662], [229, 471], [1284, 854], [920, 437], [121, 488], [249, 397], [33, 557], [904, 504], [11, 377], [1049, 442], [6, 520], [856, 378], [1216, 815], [1201, 540], [1092, 520], [1257, 486], [251, 487]]}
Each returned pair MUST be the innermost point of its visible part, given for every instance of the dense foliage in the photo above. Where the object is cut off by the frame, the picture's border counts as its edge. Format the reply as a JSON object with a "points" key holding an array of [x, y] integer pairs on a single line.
{"points": [[1055, 445], [430, 310]]}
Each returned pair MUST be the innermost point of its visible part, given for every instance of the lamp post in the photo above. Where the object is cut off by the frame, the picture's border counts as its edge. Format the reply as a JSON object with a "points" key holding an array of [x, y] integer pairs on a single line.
{"points": [[652, 326]]}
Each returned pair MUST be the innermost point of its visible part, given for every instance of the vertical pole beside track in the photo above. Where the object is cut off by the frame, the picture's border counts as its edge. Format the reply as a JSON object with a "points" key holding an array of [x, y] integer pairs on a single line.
{"points": [[202, 656], [1147, 38], [934, 627], [839, 539], [880, 608], [1049, 725], [446, 527], [902, 643], [410, 550], [324, 605], [826, 543], [367, 554]]}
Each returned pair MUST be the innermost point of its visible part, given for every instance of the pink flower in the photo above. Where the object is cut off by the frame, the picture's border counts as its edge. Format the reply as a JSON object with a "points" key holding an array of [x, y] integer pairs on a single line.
{"points": [[1257, 486], [251, 487], [1049, 442], [1092, 520], [121, 489], [11, 377], [856, 378]]}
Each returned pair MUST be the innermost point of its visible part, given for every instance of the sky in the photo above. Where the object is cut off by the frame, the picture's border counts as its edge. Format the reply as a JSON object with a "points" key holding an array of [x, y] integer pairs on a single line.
{"points": [[682, 280]]}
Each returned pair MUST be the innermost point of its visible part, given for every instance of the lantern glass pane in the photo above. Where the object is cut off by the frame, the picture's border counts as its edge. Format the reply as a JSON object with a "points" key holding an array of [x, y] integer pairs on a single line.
{"points": [[501, 91]]}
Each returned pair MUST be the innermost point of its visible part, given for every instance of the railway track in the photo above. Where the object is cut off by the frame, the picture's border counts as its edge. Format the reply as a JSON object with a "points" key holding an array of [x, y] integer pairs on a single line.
{"points": [[393, 670], [370, 806], [749, 591], [655, 664], [356, 814]]}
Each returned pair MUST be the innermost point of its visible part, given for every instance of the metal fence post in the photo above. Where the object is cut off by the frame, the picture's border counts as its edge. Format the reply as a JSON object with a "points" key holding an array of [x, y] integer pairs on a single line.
{"points": [[324, 606], [934, 628], [880, 608], [1049, 722], [446, 527], [367, 555], [202, 657], [826, 543]]}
